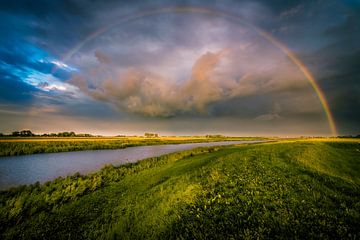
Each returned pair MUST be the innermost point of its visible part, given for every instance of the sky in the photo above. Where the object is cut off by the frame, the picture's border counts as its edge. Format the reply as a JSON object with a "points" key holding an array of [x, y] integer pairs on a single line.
{"points": [[179, 67]]}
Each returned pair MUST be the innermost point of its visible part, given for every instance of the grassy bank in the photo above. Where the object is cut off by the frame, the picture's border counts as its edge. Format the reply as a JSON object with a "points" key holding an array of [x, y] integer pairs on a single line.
{"points": [[12, 146], [298, 189]]}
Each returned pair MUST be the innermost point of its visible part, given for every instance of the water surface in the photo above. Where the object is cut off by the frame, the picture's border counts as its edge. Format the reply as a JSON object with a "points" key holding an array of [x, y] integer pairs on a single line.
{"points": [[27, 169]]}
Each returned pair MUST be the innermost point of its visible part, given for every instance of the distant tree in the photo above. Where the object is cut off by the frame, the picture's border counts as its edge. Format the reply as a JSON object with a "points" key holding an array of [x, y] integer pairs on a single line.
{"points": [[66, 134], [1, 134], [214, 136], [83, 135], [62, 134], [15, 134], [26, 133], [149, 135]]}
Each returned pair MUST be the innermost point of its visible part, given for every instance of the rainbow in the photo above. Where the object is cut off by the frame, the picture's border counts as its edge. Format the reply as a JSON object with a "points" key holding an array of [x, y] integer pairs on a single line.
{"points": [[231, 16]]}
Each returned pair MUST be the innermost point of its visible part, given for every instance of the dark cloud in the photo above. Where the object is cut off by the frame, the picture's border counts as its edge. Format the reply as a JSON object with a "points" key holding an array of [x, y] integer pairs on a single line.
{"points": [[337, 67], [13, 90], [342, 87]]}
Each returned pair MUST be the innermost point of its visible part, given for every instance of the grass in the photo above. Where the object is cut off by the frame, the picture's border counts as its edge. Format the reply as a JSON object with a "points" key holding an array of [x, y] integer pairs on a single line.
{"points": [[295, 189], [12, 146]]}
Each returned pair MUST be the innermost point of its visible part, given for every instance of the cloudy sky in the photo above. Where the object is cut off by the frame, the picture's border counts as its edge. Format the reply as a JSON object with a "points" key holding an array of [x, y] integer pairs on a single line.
{"points": [[179, 67]]}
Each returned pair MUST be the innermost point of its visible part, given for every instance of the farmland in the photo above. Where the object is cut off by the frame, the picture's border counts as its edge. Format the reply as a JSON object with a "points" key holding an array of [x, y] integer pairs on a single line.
{"points": [[300, 189]]}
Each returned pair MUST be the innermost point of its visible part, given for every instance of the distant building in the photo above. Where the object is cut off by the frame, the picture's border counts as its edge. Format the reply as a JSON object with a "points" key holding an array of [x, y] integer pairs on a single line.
{"points": [[151, 135]]}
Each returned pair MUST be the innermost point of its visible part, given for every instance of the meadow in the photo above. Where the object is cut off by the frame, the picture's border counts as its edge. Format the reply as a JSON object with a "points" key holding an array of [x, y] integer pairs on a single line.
{"points": [[300, 189], [13, 146]]}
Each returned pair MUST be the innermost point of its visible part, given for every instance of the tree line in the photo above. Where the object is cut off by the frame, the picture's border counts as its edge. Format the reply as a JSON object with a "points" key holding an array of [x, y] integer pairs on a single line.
{"points": [[28, 133]]}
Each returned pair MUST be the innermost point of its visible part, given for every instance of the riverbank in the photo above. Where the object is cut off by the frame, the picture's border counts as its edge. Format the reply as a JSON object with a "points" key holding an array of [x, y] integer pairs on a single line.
{"points": [[16, 146], [295, 189]]}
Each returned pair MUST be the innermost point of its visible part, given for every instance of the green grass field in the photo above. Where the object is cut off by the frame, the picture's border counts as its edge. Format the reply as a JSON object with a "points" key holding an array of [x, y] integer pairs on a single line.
{"points": [[12, 146], [296, 189]]}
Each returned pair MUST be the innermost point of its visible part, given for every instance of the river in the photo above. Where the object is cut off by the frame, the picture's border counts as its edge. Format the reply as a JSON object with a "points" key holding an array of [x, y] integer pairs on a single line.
{"points": [[28, 169]]}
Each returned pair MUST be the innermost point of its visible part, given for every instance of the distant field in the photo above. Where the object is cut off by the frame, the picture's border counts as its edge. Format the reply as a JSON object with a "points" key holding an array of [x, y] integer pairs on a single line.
{"points": [[11, 146], [291, 189]]}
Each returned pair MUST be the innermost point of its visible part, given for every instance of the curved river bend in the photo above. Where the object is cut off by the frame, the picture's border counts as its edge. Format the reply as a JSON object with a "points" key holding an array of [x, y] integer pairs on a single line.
{"points": [[28, 169]]}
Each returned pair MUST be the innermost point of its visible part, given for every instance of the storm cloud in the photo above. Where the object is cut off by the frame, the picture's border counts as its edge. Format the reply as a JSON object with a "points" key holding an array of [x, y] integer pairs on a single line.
{"points": [[213, 78], [149, 94]]}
